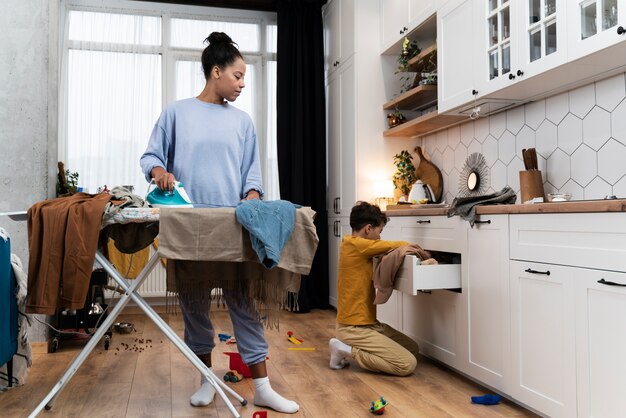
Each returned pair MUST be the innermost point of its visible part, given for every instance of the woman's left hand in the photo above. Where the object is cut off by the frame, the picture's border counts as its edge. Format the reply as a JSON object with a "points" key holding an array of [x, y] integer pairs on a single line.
{"points": [[252, 194]]}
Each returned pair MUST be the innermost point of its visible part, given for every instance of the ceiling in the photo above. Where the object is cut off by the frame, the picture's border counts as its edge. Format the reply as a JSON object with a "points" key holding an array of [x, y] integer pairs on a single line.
{"points": [[261, 5]]}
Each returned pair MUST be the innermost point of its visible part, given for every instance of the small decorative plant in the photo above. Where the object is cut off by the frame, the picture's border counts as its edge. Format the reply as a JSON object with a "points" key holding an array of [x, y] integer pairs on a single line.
{"points": [[67, 182], [396, 118], [405, 175], [409, 50]]}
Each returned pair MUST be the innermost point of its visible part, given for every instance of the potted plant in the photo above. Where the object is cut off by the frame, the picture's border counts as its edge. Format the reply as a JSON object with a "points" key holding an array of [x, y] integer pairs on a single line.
{"points": [[409, 50], [405, 175], [395, 118]]}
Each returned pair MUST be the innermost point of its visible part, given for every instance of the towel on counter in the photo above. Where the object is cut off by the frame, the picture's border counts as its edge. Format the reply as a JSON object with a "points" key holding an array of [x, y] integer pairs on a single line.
{"points": [[387, 268], [465, 207]]}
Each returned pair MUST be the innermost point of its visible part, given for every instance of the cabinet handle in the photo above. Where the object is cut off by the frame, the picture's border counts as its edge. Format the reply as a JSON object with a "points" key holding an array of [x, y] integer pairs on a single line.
{"points": [[621, 30], [423, 222], [511, 76], [336, 63], [488, 221], [336, 229], [336, 205], [547, 272], [520, 73], [474, 92], [606, 282]]}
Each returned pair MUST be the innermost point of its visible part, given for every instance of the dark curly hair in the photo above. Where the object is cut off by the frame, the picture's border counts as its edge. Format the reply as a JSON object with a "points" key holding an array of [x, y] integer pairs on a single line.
{"points": [[364, 213], [221, 51]]}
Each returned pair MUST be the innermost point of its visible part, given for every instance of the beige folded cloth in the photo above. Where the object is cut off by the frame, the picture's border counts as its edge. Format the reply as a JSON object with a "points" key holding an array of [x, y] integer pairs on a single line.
{"points": [[388, 266]]}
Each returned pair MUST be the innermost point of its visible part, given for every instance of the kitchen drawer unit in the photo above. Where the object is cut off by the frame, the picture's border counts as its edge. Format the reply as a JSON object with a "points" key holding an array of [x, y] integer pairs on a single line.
{"points": [[591, 240], [414, 277]]}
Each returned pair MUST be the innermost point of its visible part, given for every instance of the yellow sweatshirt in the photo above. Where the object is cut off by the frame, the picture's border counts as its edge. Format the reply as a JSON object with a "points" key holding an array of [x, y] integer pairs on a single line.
{"points": [[355, 302]]}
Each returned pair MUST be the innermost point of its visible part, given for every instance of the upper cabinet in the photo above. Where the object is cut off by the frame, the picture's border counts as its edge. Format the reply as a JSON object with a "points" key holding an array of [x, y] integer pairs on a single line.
{"points": [[399, 17], [339, 30], [596, 24]]}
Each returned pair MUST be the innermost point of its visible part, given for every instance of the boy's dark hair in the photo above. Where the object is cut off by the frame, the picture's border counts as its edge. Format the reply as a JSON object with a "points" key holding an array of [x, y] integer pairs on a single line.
{"points": [[364, 213]]}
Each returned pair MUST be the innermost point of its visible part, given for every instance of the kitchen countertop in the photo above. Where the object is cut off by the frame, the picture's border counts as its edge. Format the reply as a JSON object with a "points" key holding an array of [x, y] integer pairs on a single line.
{"points": [[576, 206]]}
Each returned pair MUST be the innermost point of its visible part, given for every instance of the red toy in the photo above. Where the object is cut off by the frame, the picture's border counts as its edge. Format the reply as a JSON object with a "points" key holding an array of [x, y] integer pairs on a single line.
{"points": [[236, 363]]}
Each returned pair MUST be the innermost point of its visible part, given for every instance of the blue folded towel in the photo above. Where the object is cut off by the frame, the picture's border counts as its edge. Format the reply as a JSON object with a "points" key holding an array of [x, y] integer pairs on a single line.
{"points": [[487, 399]]}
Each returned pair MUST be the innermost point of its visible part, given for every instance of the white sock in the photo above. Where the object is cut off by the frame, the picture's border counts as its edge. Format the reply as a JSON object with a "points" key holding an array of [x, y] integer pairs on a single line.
{"points": [[204, 395], [339, 354], [264, 395]]}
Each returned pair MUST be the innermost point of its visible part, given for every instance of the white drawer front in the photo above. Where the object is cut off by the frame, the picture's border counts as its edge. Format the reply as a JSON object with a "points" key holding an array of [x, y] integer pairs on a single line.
{"points": [[413, 276], [438, 233], [593, 240]]}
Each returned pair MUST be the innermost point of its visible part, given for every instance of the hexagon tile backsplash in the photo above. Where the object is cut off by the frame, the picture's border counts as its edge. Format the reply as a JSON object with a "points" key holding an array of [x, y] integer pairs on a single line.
{"points": [[580, 137]]}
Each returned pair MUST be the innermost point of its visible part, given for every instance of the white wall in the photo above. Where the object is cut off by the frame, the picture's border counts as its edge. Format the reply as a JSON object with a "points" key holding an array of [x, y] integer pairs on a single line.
{"points": [[28, 112], [580, 137]]}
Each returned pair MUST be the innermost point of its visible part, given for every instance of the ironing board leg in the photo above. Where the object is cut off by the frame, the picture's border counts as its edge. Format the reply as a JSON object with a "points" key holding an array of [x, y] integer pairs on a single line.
{"points": [[215, 381], [95, 338]]}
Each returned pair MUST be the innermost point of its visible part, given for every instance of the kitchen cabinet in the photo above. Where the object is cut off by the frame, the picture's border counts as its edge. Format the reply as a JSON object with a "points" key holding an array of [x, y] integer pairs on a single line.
{"points": [[601, 343], [432, 318], [399, 17], [339, 30], [543, 343], [337, 229], [595, 25], [487, 299], [341, 138]]}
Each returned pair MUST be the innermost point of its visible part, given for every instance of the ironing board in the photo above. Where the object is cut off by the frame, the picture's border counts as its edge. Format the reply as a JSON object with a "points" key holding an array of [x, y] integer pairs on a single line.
{"points": [[131, 293]]}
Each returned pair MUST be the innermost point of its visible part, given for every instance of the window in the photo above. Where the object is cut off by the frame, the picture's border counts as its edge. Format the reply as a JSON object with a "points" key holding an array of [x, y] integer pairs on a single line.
{"points": [[121, 64]]}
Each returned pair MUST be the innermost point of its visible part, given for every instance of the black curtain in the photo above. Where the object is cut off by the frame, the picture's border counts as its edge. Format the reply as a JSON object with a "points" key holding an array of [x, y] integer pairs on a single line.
{"points": [[301, 129]]}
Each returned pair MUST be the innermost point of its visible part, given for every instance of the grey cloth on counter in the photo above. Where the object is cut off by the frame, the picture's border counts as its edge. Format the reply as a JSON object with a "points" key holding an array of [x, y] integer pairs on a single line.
{"points": [[465, 207]]}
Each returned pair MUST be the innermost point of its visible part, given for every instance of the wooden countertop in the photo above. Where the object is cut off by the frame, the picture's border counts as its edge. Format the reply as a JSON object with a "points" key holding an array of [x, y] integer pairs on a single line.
{"points": [[577, 206]]}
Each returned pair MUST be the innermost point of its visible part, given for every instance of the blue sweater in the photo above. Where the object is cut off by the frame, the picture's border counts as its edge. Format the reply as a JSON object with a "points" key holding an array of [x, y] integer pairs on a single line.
{"points": [[212, 149]]}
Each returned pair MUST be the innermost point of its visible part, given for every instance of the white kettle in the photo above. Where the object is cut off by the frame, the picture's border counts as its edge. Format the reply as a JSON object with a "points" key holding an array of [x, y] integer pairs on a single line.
{"points": [[420, 191]]}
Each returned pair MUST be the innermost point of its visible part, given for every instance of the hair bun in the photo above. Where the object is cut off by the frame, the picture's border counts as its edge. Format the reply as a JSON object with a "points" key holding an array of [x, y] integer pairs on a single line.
{"points": [[217, 38]]}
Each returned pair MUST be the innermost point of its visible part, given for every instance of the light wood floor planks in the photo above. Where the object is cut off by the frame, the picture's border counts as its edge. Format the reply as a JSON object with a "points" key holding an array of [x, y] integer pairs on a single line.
{"points": [[144, 375]]}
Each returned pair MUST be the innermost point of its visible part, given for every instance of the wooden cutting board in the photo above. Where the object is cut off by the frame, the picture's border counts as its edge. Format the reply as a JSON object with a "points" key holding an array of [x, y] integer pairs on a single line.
{"points": [[429, 174]]}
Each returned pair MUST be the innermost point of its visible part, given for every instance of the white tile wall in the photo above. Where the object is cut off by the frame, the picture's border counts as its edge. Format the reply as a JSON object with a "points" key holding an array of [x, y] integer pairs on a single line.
{"points": [[580, 137]]}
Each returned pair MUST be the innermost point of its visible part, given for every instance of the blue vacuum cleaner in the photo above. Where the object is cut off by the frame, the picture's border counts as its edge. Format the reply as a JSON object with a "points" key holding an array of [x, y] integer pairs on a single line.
{"points": [[166, 199]]}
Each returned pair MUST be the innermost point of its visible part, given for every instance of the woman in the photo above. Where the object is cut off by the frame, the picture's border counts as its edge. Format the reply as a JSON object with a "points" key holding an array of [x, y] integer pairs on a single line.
{"points": [[211, 148]]}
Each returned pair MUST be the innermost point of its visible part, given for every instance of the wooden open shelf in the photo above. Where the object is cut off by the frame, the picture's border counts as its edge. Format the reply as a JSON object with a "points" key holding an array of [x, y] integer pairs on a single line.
{"points": [[424, 124], [417, 98], [421, 61]]}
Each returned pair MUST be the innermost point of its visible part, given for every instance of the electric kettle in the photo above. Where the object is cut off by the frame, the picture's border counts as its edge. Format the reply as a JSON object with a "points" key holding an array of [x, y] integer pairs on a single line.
{"points": [[421, 191]]}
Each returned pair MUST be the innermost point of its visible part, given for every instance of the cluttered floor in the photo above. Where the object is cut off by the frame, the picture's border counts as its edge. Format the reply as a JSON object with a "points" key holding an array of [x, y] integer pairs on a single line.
{"points": [[142, 374]]}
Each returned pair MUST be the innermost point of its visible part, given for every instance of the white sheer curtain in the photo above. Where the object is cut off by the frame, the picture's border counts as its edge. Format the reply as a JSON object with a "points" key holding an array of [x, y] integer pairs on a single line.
{"points": [[113, 96], [113, 88]]}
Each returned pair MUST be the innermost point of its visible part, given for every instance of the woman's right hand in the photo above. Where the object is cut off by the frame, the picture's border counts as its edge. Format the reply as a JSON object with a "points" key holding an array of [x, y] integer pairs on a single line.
{"points": [[163, 179]]}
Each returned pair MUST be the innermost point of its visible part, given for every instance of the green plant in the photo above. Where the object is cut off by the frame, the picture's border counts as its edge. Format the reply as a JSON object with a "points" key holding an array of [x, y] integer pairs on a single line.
{"points": [[405, 175], [67, 181], [409, 50]]}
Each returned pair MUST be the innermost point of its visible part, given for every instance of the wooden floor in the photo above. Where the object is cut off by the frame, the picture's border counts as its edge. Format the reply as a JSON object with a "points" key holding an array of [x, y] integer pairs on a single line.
{"points": [[144, 375]]}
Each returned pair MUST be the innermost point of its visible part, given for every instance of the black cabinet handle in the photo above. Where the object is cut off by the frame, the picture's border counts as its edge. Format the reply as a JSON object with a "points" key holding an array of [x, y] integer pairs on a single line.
{"points": [[621, 30], [474, 92], [336, 63], [606, 282], [336, 205], [511, 76], [520, 73], [423, 222], [547, 272], [336, 229], [488, 221]]}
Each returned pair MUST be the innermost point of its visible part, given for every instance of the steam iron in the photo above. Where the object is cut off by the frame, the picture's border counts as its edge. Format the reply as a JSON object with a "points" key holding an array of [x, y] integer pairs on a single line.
{"points": [[163, 198]]}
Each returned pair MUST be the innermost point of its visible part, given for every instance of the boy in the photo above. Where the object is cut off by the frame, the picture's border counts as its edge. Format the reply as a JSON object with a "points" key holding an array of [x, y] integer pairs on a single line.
{"points": [[375, 346]]}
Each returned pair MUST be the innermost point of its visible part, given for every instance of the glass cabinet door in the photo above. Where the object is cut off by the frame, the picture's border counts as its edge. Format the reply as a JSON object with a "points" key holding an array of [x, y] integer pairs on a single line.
{"points": [[499, 37], [542, 28], [593, 25]]}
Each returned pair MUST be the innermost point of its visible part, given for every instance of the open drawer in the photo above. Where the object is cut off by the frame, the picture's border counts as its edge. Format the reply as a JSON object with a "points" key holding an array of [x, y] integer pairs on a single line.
{"points": [[413, 276]]}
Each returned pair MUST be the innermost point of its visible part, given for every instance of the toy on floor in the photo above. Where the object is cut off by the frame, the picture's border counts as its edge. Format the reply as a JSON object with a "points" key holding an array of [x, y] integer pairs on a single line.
{"points": [[293, 339], [233, 376], [488, 399], [227, 338], [378, 406]]}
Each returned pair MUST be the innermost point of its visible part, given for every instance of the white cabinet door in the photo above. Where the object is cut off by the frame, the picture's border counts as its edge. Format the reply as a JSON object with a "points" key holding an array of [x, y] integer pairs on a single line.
{"points": [[339, 33], [594, 25], [601, 343], [390, 312], [543, 337], [341, 139], [516, 41], [394, 21], [455, 54], [487, 292], [337, 229]]}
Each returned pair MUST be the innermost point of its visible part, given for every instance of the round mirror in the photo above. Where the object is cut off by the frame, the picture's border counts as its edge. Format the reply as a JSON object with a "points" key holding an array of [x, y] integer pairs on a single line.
{"points": [[472, 180]]}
